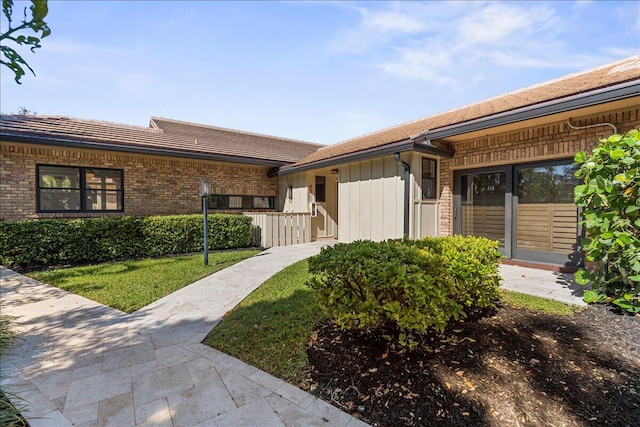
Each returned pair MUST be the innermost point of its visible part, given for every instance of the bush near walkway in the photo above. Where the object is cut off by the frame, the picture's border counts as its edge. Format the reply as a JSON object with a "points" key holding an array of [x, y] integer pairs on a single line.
{"points": [[409, 286], [40, 243]]}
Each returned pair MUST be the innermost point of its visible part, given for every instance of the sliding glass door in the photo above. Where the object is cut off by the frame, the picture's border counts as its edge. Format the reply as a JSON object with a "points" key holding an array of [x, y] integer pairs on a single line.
{"points": [[546, 218], [527, 208], [481, 202]]}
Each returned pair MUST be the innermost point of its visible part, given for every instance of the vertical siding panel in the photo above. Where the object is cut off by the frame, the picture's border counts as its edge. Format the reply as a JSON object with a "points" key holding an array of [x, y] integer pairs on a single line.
{"points": [[377, 203], [389, 229], [354, 202], [367, 201], [343, 204]]}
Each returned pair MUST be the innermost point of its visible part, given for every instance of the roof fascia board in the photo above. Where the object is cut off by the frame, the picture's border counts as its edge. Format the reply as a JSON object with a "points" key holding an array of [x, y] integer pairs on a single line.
{"points": [[396, 147], [587, 99], [140, 150]]}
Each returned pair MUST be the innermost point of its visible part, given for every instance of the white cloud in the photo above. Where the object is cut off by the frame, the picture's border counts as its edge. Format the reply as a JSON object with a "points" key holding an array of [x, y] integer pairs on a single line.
{"points": [[500, 23], [450, 43]]}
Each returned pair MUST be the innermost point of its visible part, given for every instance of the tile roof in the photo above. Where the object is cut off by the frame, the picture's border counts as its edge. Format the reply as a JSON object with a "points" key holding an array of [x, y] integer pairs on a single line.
{"points": [[618, 72], [164, 134], [235, 142]]}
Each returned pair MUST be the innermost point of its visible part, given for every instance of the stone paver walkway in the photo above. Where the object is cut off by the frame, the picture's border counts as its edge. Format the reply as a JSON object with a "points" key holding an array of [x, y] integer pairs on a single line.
{"points": [[559, 287], [80, 363], [83, 364]]}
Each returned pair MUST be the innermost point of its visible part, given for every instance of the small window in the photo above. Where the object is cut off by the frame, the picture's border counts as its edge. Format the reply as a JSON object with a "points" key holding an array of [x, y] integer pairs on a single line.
{"points": [[429, 181], [76, 189], [321, 193], [263, 202], [224, 202]]}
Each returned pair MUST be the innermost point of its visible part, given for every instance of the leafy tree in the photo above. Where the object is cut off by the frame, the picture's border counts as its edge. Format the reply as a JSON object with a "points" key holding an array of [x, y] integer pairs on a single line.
{"points": [[11, 58], [610, 199]]}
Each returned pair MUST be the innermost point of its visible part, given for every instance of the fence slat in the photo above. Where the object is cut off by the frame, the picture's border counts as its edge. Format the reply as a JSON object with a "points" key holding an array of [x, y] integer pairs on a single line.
{"points": [[280, 228]]}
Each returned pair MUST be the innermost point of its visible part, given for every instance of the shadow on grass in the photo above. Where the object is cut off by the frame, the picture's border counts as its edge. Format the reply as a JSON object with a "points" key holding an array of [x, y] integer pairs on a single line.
{"points": [[270, 335]]}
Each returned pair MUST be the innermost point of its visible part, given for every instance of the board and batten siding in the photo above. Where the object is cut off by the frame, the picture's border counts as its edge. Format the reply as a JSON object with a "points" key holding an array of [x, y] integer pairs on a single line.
{"points": [[371, 200], [300, 202]]}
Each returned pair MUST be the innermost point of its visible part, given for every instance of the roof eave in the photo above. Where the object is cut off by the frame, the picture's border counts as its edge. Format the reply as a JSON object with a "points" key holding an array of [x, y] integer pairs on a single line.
{"points": [[394, 147], [590, 98], [561, 105], [96, 145]]}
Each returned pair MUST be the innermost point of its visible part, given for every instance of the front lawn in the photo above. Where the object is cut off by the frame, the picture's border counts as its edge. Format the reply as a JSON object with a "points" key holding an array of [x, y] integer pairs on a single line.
{"points": [[270, 328], [529, 362], [131, 285]]}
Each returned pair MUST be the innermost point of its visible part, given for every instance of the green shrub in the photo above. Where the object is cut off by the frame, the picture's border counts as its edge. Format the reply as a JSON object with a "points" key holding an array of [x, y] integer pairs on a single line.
{"points": [[610, 200], [46, 242], [472, 263], [409, 286]]}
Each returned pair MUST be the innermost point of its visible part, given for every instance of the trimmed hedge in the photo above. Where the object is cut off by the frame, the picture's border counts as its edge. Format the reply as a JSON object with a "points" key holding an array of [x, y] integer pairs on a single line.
{"points": [[409, 286], [47, 242]]}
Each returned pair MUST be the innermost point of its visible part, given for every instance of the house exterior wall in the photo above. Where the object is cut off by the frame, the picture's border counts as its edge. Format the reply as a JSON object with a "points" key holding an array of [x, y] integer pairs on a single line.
{"points": [[300, 198], [553, 140], [153, 185], [371, 200]]}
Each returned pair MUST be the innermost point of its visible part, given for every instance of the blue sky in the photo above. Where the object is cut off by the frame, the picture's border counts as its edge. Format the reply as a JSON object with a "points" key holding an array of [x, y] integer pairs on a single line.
{"points": [[317, 71]]}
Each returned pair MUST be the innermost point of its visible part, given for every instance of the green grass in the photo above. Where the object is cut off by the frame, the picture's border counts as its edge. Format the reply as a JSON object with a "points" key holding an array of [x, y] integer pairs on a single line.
{"points": [[269, 328], [543, 305], [131, 285]]}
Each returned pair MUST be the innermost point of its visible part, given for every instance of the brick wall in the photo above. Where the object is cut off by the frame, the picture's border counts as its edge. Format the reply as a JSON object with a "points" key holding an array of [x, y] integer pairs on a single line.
{"points": [[153, 185], [548, 142]]}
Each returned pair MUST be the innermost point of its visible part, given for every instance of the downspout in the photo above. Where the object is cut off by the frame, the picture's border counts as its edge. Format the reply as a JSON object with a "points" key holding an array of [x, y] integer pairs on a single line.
{"points": [[407, 172]]}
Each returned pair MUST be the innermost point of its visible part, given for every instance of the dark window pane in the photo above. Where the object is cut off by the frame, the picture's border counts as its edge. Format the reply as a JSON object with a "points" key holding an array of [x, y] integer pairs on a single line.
{"points": [[564, 182], [98, 200], [483, 207], [246, 202], [59, 200], [103, 190], [321, 195], [59, 177], [263, 202], [429, 182], [103, 179], [217, 202]]}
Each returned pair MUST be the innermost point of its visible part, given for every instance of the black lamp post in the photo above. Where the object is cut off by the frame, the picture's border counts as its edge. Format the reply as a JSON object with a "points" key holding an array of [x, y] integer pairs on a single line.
{"points": [[205, 190]]}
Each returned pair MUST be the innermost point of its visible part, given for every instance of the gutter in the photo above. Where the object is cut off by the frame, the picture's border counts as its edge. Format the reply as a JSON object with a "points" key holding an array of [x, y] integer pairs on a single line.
{"points": [[62, 142], [407, 173], [574, 102]]}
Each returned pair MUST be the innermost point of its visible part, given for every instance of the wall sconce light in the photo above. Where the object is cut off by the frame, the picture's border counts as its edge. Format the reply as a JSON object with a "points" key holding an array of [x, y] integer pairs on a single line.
{"points": [[290, 192]]}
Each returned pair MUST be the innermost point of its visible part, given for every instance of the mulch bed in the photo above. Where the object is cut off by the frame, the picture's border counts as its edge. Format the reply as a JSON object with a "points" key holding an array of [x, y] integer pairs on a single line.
{"points": [[505, 367]]}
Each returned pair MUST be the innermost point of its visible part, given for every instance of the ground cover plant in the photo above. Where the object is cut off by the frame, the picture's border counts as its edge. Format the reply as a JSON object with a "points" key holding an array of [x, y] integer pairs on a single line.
{"points": [[131, 285], [528, 361], [10, 415]]}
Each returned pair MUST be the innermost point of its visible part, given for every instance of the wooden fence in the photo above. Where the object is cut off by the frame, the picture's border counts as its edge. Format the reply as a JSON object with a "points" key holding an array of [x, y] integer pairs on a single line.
{"points": [[280, 228]]}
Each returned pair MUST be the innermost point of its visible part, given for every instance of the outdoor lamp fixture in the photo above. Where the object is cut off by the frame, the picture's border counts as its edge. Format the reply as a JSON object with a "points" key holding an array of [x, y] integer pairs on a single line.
{"points": [[205, 190], [290, 192]]}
